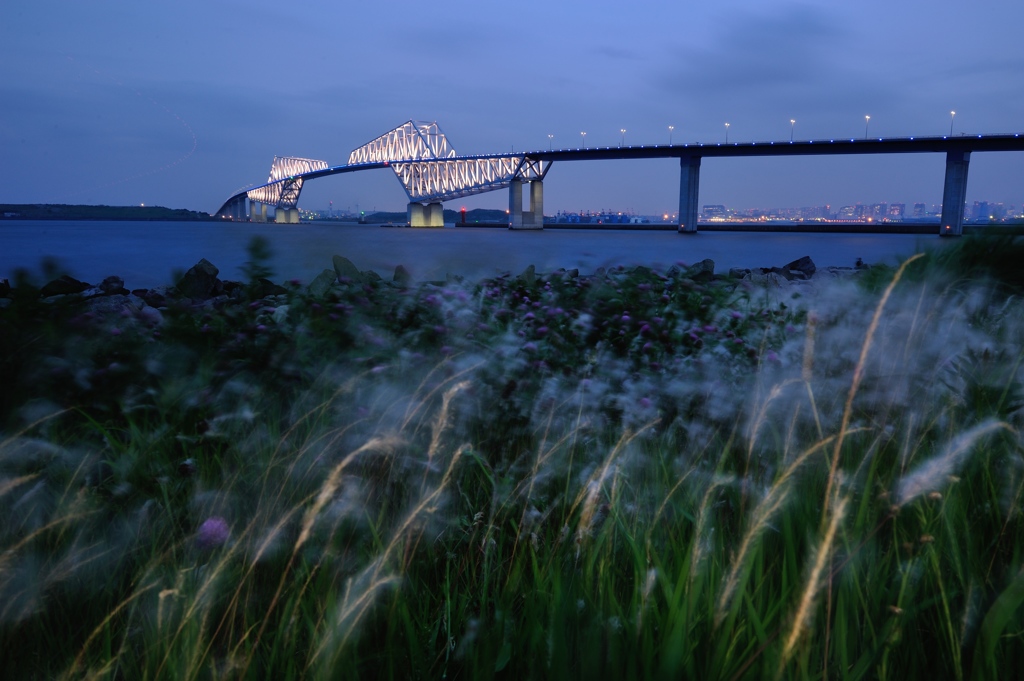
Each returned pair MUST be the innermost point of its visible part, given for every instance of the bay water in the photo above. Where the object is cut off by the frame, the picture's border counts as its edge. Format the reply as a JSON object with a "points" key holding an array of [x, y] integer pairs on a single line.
{"points": [[147, 254]]}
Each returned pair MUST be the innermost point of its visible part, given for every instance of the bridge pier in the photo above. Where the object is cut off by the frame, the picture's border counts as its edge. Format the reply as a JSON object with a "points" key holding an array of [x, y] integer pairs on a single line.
{"points": [[435, 215], [954, 193], [689, 185], [239, 212], [257, 211], [517, 217], [430, 215], [286, 216]]}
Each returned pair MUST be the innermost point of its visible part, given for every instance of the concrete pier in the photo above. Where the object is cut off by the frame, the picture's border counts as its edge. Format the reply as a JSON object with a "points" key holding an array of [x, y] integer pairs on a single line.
{"points": [[689, 185], [286, 216], [954, 193], [517, 217], [434, 215], [257, 211]]}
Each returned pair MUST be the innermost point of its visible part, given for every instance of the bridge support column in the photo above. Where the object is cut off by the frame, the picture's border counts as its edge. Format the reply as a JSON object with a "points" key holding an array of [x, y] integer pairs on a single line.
{"points": [[532, 219], [689, 184], [238, 210], [257, 211], [954, 193], [515, 204], [286, 216], [417, 214], [435, 215], [536, 214]]}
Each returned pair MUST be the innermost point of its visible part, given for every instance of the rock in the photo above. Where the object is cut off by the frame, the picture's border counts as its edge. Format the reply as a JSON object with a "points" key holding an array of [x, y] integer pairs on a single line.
{"points": [[573, 273], [265, 287], [738, 272], [200, 281], [113, 285], [319, 287], [402, 276], [702, 271], [370, 275], [804, 266], [116, 304], [63, 286], [529, 275], [345, 269], [151, 316], [157, 296], [280, 315], [765, 278]]}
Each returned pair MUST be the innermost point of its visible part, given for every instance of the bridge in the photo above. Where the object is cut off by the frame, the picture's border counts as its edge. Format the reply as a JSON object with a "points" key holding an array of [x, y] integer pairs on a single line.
{"points": [[431, 172]]}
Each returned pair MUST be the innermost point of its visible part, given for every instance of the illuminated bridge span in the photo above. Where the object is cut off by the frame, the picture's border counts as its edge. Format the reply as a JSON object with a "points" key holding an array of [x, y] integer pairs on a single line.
{"points": [[431, 172]]}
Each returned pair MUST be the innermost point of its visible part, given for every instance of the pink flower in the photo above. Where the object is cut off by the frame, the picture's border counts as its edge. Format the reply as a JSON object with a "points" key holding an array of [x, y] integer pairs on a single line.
{"points": [[213, 533]]}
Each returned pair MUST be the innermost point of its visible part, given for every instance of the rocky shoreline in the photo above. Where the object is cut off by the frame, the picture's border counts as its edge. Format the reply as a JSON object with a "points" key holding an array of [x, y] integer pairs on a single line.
{"points": [[202, 287]]}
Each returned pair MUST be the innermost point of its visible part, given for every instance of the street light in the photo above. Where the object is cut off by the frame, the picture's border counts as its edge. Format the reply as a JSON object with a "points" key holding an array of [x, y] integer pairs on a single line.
{"points": [[952, 115], [792, 125], [867, 119], [623, 131], [584, 136], [550, 137], [726, 133], [670, 129]]}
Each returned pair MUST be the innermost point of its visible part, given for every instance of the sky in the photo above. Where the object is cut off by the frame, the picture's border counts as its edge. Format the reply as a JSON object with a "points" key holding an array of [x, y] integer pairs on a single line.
{"points": [[181, 103]]}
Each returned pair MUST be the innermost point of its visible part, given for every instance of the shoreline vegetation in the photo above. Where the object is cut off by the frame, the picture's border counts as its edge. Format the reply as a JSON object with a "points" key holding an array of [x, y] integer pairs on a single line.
{"points": [[796, 472]]}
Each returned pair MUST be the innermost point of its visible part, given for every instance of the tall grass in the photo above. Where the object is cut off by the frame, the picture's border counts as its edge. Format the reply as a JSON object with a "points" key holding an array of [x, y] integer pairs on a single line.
{"points": [[821, 486]]}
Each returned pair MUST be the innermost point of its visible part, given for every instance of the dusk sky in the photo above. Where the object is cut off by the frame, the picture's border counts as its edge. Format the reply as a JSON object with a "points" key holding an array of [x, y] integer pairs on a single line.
{"points": [[181, 103]]}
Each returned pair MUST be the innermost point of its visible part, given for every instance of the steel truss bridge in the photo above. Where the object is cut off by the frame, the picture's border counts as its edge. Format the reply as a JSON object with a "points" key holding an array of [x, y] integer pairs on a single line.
{"points": [[431, 172]]}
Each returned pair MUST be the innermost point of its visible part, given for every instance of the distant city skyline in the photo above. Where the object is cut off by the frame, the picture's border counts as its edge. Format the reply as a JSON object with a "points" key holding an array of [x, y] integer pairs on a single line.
{"points": [[120, 102]]}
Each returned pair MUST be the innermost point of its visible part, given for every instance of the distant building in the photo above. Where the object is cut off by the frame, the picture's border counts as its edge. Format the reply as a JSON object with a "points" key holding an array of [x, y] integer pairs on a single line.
{"points": [[919, 210], [980, 211], [896, 211], [714, 212]]}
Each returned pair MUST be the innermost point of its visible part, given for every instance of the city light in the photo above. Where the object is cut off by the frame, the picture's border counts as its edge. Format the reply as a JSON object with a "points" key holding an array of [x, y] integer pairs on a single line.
{"points": [[584, 136], [623, 131], [952, 115], [867, 119], [726, 133], [792, 126], [670, 129], [550, 138]]}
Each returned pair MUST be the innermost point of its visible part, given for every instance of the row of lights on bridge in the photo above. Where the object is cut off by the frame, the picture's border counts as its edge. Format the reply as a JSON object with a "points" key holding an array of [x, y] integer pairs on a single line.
{"points": [[792, 130]]}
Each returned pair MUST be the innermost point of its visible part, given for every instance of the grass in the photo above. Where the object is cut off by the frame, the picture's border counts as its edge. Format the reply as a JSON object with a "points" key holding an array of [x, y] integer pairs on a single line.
{"points": [[635, 475]]}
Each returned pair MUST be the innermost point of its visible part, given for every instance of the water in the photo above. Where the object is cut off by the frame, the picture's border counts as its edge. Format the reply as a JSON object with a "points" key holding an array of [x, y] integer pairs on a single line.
{"points": [[148, 254]]}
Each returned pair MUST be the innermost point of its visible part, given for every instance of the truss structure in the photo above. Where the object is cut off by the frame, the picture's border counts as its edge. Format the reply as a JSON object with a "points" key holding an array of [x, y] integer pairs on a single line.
{"points": [[411, 141], [428, 181], [285, 183], [429, 169]]}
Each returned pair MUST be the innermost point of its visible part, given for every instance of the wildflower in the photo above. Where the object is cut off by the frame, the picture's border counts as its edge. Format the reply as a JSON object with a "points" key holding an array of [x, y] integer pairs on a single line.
{"points": [[213, 533]]}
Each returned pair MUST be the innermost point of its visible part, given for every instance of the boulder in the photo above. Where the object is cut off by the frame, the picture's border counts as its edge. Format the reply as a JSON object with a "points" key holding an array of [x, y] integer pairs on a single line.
{"points": [[113, 285], [401, 276], [116, 304], [264, 287], [529, 275], [702, 271], [319, 287], [804, 266], [345, 269], [63, 285], [200, 281]]}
